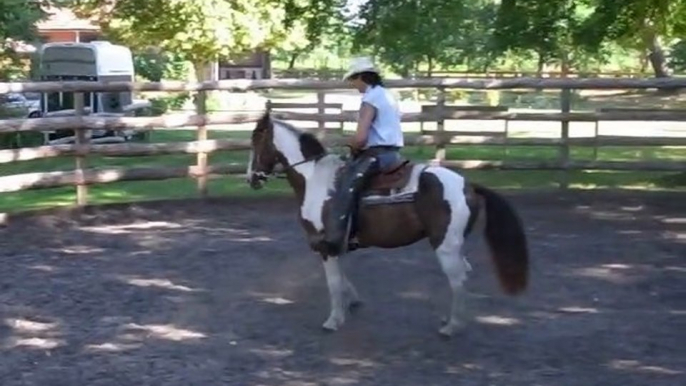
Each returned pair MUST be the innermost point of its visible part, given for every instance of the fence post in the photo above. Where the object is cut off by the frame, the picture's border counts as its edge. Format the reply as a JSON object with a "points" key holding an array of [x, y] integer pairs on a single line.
{"points": [[440, 126], [80, 139], [565, 107], [201, 109], [321, 110], [595, 140]]}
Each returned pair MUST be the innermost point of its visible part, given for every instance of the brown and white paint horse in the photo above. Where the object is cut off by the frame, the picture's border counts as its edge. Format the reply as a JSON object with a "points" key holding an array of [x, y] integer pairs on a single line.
{"points": [[432, 202]]}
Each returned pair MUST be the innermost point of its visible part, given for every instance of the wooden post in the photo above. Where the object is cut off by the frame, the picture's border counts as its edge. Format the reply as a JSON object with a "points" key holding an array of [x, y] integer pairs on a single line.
{"points": [[342, 125], [595, 140], [565, 107], [440, 125], [201, 109], [321, 110], [80, 138], [506, 139]]}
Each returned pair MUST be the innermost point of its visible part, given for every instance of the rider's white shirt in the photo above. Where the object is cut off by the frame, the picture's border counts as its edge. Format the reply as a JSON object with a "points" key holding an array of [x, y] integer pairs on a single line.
{"points": [[385, 129]]}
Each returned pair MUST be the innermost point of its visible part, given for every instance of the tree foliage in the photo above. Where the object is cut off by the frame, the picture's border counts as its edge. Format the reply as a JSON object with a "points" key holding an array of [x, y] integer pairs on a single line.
{"points": [[17, 25], [644, 24], [405, 33], [544, 27], [156, 66], [307, 23], [200, 31]]}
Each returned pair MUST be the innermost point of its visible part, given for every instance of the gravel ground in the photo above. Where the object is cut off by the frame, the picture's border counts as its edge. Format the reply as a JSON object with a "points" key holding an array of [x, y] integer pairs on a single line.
{"points": [[225, 292]]}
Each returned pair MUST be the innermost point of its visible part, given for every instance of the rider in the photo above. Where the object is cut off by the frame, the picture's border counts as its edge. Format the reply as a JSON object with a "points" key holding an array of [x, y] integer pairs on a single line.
{"points": [[374, 147]]}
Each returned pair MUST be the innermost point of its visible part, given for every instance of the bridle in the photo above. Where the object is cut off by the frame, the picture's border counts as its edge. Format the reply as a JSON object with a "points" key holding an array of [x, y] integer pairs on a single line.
{"points": [[262, 176]]}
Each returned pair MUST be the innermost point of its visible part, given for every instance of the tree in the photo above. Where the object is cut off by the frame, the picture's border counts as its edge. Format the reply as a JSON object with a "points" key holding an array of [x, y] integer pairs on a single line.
{"points": [[544, 27], [200, 31], [307, 23], [642, 23], [469, 41], [17, 25], [406, 33]]}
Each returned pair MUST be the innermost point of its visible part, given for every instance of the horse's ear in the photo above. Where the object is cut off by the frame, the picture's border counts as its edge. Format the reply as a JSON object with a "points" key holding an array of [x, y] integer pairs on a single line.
{"points": [[264, 122]]}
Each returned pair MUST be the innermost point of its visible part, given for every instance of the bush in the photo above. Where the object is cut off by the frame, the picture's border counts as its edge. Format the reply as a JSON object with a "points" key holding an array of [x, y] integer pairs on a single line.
{"points": [[156, 66], [677, 58], [165, 104]]}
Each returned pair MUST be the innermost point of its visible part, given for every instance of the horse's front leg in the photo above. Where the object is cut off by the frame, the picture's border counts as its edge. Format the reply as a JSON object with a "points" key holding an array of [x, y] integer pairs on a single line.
{"points": [[337, 284]]}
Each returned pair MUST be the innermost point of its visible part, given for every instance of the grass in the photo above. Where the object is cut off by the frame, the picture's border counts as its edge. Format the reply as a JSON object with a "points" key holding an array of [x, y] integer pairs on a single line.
{"points": [[236, 186]]}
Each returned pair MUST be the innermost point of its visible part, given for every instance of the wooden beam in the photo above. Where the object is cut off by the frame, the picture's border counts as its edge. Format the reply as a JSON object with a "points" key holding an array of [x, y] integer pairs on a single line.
{"points": [[181, 120], [237, 85], [94, 122], [572, 165], [30, 181], [123, 149]]}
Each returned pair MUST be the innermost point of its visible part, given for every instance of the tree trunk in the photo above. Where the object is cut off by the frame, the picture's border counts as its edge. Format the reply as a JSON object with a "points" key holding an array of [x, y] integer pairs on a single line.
{"points": [[203, 73], [656, 55], [540, 65], [431, 66], [643, 60], [291, 62]]}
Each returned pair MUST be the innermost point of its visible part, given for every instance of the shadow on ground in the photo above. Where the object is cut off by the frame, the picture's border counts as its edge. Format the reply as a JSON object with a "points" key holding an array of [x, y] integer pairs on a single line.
{"points": [[225, 292]]}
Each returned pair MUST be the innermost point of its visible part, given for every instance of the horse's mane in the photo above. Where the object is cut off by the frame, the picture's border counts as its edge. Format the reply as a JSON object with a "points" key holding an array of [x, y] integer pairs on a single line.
{"points": [[309, 144]]}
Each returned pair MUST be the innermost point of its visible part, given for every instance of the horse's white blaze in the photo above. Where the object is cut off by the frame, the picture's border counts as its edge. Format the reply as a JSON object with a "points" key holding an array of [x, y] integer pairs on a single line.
{"points": [[449, 253]]}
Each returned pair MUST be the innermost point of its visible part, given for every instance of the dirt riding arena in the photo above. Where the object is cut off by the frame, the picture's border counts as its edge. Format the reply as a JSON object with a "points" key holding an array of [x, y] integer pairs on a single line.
{"points": [[226, 293]]}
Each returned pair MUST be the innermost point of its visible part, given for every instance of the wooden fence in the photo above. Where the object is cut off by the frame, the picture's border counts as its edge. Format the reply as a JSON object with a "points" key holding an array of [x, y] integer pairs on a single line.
{"points": [[326, 74], [82, 176]]}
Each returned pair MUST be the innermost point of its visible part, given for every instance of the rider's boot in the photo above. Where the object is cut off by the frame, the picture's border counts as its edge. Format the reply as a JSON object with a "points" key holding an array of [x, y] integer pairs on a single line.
{"points": [[343, 202]]}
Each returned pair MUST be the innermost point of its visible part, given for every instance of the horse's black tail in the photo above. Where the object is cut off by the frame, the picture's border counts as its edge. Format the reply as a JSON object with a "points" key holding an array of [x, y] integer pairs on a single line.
{"points": [[506, 239]]}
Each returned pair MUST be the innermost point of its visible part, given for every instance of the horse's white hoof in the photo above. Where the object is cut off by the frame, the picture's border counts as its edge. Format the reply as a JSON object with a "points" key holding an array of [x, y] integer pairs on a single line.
{"points": [[333, 323], [449, 329]]}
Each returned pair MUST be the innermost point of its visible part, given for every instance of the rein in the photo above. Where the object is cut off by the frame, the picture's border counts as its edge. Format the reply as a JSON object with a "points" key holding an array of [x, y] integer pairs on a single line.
{"points": [[306, 160]]}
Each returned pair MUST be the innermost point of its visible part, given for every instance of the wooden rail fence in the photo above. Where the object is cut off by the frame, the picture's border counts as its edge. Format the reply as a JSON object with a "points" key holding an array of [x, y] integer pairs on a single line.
{"points": [[202, 147], [325, 74]]}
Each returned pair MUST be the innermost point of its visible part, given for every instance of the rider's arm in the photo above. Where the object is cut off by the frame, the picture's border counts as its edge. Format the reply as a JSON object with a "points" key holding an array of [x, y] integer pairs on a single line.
{"points": [[367, 112]]}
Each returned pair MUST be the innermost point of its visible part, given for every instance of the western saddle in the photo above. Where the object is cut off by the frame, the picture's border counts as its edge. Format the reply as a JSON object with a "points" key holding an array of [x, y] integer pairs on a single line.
{"points": [[385, 182]]}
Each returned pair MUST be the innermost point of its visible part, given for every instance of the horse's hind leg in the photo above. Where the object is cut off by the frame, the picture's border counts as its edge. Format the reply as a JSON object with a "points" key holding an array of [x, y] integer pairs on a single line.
{"points": [[444, 213], [455, 267]]}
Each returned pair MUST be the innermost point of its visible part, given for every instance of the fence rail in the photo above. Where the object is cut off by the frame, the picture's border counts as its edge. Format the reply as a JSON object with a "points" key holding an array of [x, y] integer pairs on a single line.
{"points": [[183, 120], [333, 73], [240, 85], [80, 121]]}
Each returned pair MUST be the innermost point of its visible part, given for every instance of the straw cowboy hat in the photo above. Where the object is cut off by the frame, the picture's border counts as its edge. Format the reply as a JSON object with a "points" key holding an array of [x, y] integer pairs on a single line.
{"points": [[358, 65]]}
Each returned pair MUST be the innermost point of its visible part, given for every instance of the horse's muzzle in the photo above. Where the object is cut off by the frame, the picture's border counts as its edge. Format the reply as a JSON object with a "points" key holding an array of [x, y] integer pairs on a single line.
{"points": [[257, 180]]}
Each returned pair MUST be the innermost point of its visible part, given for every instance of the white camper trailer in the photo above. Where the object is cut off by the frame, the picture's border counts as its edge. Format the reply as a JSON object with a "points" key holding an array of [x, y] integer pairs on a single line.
{"points": [[93, 61]]}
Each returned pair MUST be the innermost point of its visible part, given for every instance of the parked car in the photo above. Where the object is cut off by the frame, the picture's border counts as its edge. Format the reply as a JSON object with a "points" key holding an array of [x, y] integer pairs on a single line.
{"points": [[17, 105]]}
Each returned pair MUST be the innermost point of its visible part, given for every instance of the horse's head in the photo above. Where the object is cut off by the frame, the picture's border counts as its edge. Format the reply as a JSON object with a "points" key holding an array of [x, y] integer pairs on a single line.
{"points": [[276, 142], [263, 155]]}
